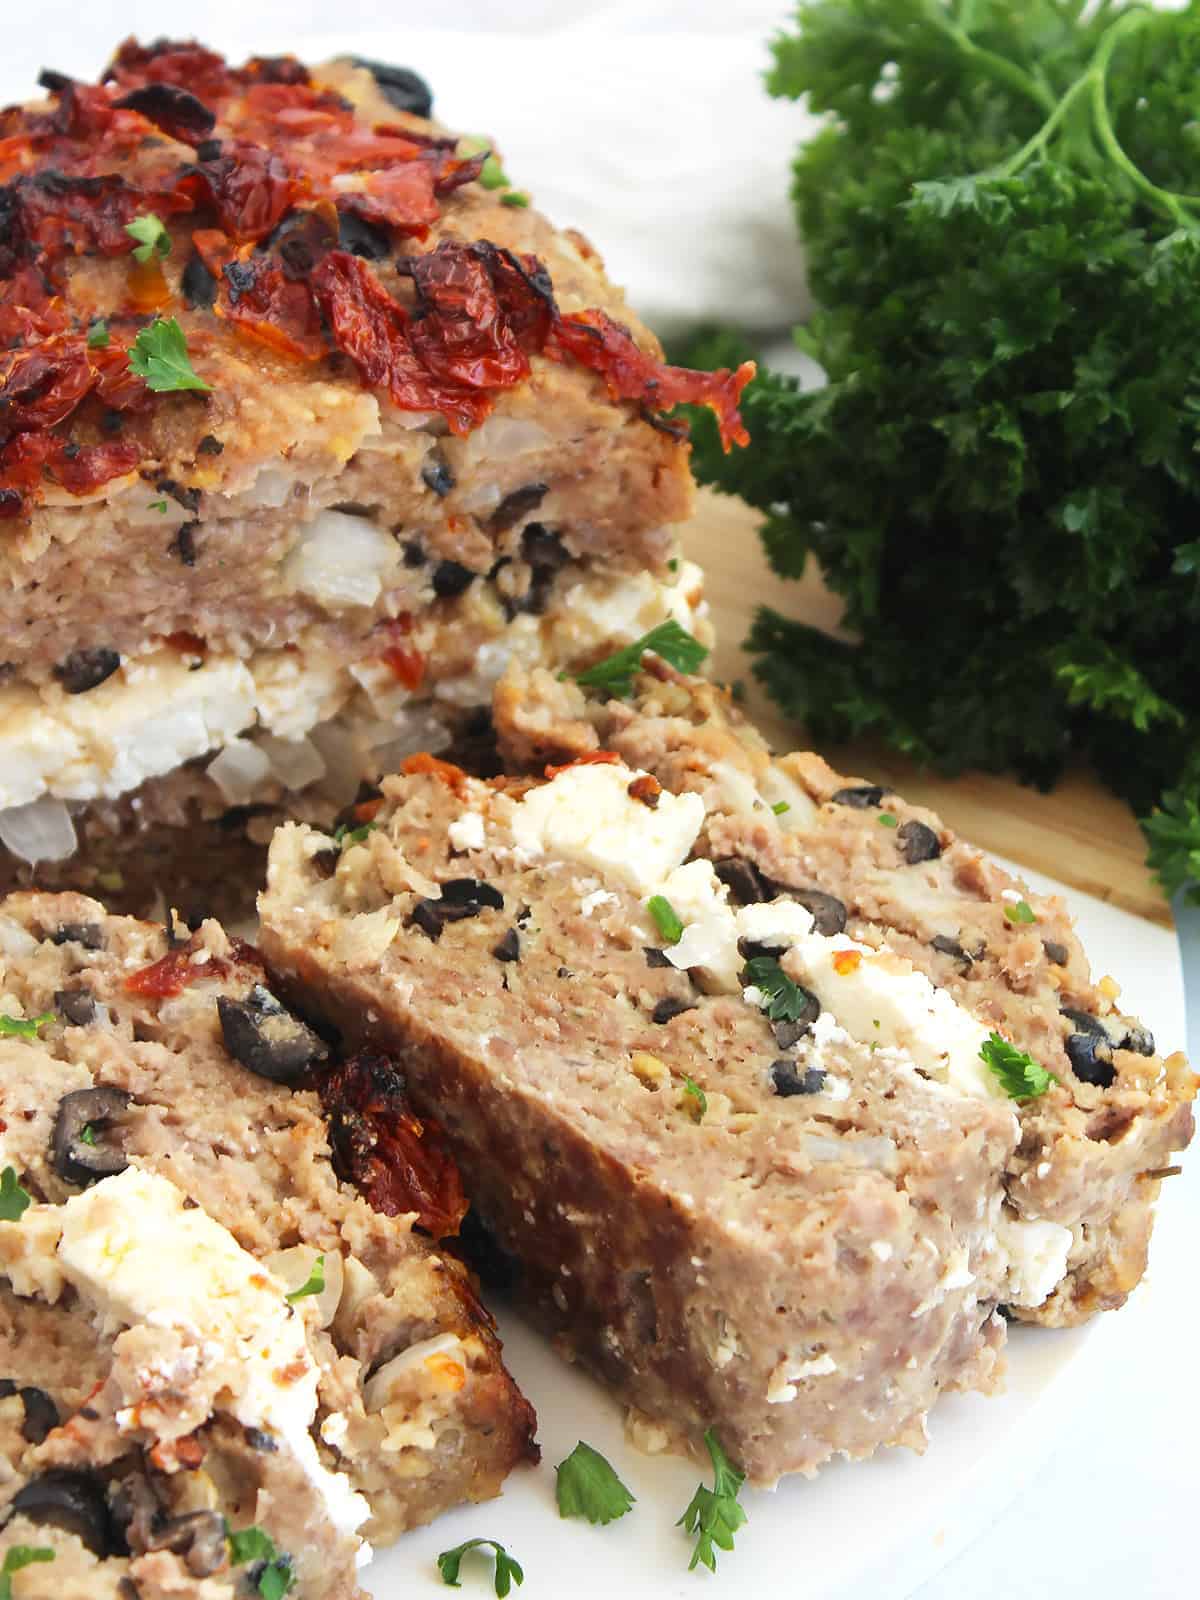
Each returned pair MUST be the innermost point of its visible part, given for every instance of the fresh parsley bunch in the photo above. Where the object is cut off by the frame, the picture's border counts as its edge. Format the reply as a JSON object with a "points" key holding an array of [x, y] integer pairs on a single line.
{"points": [[1001, 478]]}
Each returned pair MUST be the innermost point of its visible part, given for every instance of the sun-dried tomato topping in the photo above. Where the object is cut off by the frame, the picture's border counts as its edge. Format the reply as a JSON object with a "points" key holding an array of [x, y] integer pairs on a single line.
{"points": [[260, 299], [250, 189], [175, 110], [398, 1161], [60, 214], [29, 459], [171, 974], [590, 758], [596, 341], [423, 764]]}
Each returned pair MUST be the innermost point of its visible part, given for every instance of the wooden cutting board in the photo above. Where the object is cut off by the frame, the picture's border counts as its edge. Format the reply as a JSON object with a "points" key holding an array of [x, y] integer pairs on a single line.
{"points": [[1080, 833]]}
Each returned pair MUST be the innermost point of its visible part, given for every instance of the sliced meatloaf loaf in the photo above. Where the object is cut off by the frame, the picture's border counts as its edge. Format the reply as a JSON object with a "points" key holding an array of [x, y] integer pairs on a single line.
{"points": [[895, 876], [203, 1331], [301, 404], [755, 1171]]}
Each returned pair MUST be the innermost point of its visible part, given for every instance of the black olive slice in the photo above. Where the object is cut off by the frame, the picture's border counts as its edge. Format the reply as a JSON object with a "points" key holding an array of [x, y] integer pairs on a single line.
{"points": [[516, 505], [80, 1150], [1058, 953], [399, 86], [669, 1007], [86, 669], [88, 934], [543, 549], [509, 947], [362, 238], [471, 892], [861, 796], [198, 284], [76, 1006], [947, 946], [789, 1033], [266, 1038], [41, 1414], [656, 957], [197, 1536], [71, 1500], [1139, 1039], [451, 578], [788, 1079], [435, 475], [745, 882], [827, 911], [918, 843], [1090, 1055]]}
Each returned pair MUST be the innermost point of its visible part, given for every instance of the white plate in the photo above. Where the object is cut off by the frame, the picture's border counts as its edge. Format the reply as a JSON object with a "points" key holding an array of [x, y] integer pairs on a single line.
{"points": [[873, 1530]]}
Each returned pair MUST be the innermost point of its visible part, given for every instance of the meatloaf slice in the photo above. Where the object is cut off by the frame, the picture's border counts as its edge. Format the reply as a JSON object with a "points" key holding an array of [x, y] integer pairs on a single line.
{"points": [[754, 1173], [895, 876], [254, 452], [198, 1320]]}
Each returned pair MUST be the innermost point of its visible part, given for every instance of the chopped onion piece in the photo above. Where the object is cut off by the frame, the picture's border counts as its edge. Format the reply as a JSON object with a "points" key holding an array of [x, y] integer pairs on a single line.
{"points": [[295, 762], [340, 560], [239, 771], [39, 831]]}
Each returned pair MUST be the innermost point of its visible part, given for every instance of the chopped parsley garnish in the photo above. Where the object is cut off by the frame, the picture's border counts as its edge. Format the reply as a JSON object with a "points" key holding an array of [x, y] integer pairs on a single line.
{"points": [[668, 640], [515, 197], [97, 338], [21, 1555], [783, 1000], [493, 175], [714, 1515], [1021, 912], [588, 1487], [507, 1571], [14, 1201], [345, 836], [88, 1135], [1020, 1076], [696, 1093], [780, 807], [158, 505], [256, 1544], [666, 918], [159, 354], [24, 1027], [673, 564], [887, 820], [313, 1284], [151, 232]]}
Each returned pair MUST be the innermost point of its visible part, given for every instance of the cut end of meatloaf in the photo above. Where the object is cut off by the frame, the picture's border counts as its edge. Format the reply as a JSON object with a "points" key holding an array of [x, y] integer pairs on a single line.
{"points": [[753, 1173], [894, 876], [220, 1304]]}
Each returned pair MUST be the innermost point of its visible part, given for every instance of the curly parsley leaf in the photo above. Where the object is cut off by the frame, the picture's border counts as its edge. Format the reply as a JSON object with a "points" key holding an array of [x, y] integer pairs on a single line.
{"points": [[159, 354], [152, 236], [666, 918], [714, 1515], [1019, 1075], [616, 673], [24, 1027], [507, 1570], [14, 1201], [275, 1577], [587, 1486], [1002, 234], [19, 1556], [98, 338], [783, 999], [1020, 911], [313, 1284]]}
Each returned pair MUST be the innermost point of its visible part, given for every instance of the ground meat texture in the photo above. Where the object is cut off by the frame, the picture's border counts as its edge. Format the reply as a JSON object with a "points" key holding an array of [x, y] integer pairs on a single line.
{"points": [[255, 1155], [1089, 1143], [564, 1083]]}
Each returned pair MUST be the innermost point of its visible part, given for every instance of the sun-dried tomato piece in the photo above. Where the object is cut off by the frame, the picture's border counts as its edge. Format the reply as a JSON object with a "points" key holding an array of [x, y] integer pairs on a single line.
{"points": [[61, 213], [260, 300], [373, 330], [116, 385], [398, 1161], [251, 189], [28, 311], [180, 61], [171, 974], [41, 386], [594, 340], [83, 468], [400, 197], [481, 311], [175, 110]]}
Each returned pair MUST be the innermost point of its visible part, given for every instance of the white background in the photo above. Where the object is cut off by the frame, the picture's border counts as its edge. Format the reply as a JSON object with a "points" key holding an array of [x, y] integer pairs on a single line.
{"points": [[646, 125]]}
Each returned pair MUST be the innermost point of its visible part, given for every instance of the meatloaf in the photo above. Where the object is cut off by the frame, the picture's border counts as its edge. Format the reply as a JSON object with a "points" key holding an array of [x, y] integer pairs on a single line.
{"points": [[894, 876], [304, 410], [759, 1173], [203, 1330]]}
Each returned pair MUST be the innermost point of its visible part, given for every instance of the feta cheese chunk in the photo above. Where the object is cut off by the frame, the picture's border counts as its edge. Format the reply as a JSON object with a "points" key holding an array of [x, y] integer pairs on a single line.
{"points": [[586, 814], [1037, 1257]]}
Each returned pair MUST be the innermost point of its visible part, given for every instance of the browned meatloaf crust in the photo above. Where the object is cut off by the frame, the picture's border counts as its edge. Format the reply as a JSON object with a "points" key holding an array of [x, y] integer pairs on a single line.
{"points": [[424, 406], [413, 1406], [895, 874]]}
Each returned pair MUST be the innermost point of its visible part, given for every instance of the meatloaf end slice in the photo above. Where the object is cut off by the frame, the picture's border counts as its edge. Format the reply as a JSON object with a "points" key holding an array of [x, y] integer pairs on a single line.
{"points": [[738, 1201], [892, 874], [152, 1110]]}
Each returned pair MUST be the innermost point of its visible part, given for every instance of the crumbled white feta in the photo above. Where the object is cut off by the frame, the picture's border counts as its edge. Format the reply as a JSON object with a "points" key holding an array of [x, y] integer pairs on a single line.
{"points": [[593, 902], [466, 832], [586, 814], [882, 1250], [116, 1238], [1037, 1257], [781, 1386]]}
